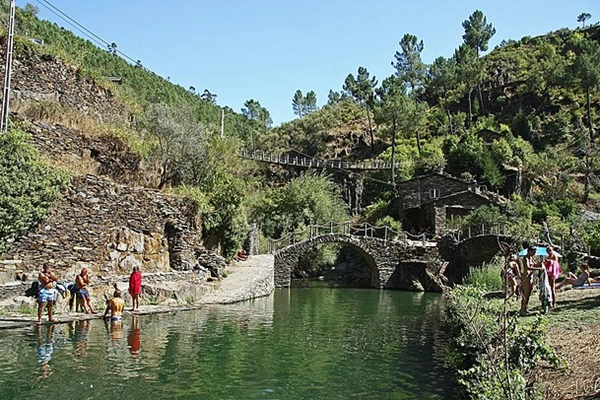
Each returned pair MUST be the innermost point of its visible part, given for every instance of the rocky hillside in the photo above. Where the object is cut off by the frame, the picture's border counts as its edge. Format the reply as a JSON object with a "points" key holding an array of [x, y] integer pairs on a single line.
{"points": [[110, 218]]}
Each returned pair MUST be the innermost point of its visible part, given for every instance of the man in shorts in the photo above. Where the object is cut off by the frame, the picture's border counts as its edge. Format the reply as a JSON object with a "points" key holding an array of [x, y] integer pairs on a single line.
{"points": [[82, 292], [46, 293]]}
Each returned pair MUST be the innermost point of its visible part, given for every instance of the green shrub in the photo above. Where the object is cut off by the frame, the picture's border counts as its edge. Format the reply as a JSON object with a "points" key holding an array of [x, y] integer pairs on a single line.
{"points": [[486, 277], [27, 185], [494, 351]]}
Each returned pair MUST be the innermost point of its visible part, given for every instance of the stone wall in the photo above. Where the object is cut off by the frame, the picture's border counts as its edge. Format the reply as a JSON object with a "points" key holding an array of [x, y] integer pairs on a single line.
{"points": [[109, 228], [41, 77], [464, 255], [415, 192], [407, 264]]}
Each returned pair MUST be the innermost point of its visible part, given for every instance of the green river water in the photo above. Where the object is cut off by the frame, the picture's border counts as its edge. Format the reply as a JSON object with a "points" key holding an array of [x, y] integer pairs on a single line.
{"points": [[315, 343]]}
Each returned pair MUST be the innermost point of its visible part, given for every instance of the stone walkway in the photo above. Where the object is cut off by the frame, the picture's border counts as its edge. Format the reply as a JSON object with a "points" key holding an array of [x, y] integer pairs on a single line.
{"points": [[244, 281]]}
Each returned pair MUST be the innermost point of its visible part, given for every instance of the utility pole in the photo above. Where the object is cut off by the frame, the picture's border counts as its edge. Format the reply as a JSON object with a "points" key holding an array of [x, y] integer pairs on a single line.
{"points": [[222, 122], [8, 67]]}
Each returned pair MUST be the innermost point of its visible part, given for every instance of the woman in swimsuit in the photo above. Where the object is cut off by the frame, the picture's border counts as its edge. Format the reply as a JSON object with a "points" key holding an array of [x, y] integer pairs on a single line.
{"points": [[575, 280]]}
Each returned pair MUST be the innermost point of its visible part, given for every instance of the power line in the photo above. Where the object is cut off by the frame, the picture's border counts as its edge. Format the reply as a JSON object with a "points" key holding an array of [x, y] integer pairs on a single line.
{"points": [[78, 26]]}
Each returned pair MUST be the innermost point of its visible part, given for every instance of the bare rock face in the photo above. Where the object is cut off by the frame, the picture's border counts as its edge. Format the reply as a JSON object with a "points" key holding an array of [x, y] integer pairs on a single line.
{"points": [[136, 249], [110, 227]]}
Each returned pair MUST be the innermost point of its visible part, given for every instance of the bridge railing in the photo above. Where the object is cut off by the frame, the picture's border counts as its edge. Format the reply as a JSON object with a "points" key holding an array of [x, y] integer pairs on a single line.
{"points": [[309, 162], [504, 229], [345, 228]]}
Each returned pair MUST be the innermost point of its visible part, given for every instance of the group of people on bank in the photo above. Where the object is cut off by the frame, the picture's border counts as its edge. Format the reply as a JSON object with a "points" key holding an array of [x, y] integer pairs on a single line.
{"points": [[520, 276], [49, 288]]}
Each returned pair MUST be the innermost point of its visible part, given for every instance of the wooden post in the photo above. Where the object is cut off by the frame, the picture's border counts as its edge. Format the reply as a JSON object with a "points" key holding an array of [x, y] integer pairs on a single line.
{"points": [[365, 229], [330, 226], [385, 233], [469, 232]]}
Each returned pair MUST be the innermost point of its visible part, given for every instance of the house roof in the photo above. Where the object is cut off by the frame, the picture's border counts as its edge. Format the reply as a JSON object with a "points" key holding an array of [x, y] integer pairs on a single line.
{"points": [[461, 194], [446, 176]]}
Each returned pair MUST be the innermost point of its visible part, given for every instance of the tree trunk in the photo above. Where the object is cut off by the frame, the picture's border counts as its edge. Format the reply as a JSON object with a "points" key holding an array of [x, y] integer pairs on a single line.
{"points": [[481, 105], [370, 128], [470, 109], [394, 151], [589, 114], [450, 128]]}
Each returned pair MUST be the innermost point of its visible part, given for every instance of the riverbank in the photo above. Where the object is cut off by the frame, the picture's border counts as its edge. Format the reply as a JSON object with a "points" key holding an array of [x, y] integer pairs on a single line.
{"points": [[555, 355], [574, 332], [242, 281]]}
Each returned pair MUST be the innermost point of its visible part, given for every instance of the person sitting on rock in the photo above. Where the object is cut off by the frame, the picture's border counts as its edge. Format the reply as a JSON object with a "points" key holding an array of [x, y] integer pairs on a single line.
{"points": [[81, 289]]}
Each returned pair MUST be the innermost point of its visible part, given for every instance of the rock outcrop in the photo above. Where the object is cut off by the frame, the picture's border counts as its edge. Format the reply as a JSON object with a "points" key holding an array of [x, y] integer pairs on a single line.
{"points": [[110, 228]]}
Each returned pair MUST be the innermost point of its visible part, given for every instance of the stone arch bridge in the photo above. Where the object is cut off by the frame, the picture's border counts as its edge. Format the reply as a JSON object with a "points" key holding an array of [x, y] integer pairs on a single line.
{"points": [[395, 264]]}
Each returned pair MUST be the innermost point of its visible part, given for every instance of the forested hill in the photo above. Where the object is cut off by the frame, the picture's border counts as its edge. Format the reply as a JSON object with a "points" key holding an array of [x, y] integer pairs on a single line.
{"points": [[527, 107], [520, 119]]}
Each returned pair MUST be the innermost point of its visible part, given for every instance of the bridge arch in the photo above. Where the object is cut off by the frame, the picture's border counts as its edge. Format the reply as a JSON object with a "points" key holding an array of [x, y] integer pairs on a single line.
{"points": [[394, 264]]}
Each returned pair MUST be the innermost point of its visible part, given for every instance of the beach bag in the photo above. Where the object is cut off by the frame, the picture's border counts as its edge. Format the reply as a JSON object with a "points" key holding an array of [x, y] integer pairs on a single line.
{"points": [[33, 290]]}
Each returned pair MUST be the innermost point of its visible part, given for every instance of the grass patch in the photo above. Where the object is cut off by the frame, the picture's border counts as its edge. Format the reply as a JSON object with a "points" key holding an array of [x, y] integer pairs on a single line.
{"points": [[55, 113], [487, 277]]}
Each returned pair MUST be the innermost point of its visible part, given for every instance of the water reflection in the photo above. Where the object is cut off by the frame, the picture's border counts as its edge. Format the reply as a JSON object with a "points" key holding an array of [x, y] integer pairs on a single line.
{"points": [[45, 349], [133, 337], [114, 329], [78, 333], [297, 344]]}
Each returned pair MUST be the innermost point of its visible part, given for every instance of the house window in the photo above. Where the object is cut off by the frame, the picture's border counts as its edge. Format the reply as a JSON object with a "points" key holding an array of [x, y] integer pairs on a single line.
{"points": [[434, 193]]}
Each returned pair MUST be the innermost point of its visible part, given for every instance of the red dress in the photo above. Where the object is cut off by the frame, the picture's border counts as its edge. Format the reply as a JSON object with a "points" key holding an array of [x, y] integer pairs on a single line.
{"points": [[135, 283]]}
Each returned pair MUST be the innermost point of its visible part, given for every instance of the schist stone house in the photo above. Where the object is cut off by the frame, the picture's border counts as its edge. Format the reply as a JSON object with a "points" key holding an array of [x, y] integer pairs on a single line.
{"points": [[432, 202]]}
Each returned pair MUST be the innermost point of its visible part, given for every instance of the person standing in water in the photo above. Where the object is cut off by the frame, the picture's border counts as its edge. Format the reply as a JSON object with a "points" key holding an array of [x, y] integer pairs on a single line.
{"points": [[135, 288], [115, 306]]}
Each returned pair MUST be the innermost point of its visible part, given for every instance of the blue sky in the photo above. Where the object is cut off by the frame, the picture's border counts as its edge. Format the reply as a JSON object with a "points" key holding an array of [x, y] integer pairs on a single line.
{"points": [[267, 49]]}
